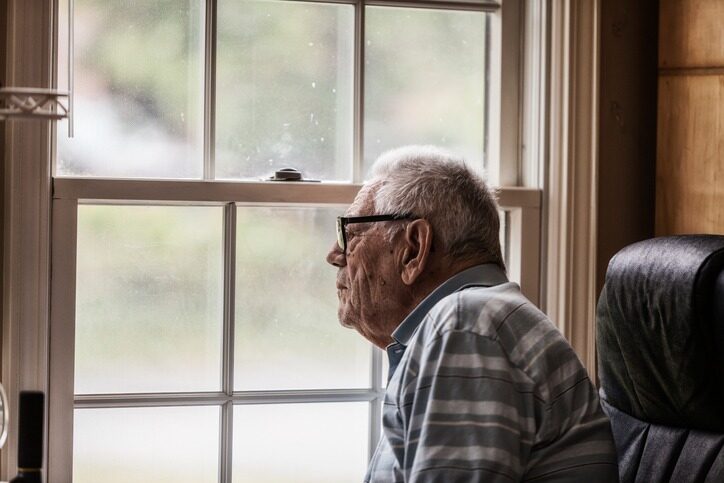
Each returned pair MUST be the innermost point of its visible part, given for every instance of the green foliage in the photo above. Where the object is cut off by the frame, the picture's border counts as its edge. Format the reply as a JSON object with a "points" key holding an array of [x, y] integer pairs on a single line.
{"points": [[150, 52]]}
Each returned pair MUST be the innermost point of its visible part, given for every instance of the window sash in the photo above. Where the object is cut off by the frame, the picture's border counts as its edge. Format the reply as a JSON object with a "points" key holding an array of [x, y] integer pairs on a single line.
{"points": [[501, 142], [522, 203]]}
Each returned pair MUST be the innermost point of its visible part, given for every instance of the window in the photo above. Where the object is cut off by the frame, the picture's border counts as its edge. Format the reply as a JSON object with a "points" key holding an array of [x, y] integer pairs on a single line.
{"points": [[198, 319]]}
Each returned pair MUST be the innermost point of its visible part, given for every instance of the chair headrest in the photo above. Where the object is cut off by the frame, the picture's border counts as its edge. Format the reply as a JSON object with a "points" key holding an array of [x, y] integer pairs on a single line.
{"points": [[660, 331]]}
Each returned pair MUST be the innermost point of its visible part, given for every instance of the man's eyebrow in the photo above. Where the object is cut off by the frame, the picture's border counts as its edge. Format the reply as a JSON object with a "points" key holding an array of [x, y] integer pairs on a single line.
{"points": [[356, 228], [353, 227]]}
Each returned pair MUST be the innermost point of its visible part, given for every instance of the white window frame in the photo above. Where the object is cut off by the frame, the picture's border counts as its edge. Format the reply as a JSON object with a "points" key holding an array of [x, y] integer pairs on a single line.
{"points": [[571, 174], [68, 193], [32, 342]]}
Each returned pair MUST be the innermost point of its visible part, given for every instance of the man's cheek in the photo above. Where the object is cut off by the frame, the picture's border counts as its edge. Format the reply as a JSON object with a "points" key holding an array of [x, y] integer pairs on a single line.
{"points": [[351, 300]]}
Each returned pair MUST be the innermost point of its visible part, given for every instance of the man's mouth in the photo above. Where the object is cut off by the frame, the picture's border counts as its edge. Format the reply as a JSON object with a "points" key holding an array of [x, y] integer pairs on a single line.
{"points": [[340, 282]]}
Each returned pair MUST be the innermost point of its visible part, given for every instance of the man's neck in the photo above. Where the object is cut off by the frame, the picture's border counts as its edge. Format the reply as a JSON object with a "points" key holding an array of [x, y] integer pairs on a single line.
{"points": [[437, 273], [440, 270]]}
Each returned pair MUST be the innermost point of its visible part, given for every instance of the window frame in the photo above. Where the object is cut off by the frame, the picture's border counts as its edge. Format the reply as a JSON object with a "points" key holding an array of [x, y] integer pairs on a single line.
{"points": [[47, 207], [69, 193]]}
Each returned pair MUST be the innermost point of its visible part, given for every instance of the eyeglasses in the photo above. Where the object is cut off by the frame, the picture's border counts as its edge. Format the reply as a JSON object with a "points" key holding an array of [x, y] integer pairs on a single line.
{"points": [[343, 221]]}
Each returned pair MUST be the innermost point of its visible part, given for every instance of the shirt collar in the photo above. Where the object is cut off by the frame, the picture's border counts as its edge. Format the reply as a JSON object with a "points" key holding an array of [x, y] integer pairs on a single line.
{"points": [[485, 275]]}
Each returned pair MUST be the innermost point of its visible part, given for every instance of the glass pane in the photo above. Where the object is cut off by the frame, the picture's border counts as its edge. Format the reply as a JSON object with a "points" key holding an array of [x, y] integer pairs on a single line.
{"points": [[300, 443], [286, 305], [139, 69], [163, 445], [149, 299], [284, 89], [444, 103]]}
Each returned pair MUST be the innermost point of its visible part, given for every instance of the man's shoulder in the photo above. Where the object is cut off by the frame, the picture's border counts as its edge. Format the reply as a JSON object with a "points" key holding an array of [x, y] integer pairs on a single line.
{"points": [[486, 311], [527, 337]]}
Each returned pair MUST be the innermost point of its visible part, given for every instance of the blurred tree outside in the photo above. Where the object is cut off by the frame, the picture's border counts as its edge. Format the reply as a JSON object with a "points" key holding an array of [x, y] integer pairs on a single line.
{"points": [[148, 299], [425, 76], [284, 88], [139, 70]]}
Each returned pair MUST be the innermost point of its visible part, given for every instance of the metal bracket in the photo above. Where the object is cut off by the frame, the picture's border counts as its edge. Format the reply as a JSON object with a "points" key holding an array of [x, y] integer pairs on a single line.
{"points": [[33, 103]]}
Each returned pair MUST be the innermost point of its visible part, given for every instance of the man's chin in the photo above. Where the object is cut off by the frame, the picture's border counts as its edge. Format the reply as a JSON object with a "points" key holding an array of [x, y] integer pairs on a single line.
{"points": [[343, 319]]}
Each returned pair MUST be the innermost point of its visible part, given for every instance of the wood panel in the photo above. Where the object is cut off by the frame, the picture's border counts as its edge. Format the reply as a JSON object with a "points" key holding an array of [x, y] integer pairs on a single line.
{"points": [[690, 159], [627, 127], [691, 33]]}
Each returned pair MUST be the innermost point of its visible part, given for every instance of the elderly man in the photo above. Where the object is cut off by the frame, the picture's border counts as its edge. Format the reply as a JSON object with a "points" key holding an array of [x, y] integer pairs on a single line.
{"points": [[482, 386]]}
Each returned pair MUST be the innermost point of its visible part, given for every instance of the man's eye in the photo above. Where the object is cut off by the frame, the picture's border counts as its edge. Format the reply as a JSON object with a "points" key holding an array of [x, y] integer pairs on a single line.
{"points": [[357, 230]]}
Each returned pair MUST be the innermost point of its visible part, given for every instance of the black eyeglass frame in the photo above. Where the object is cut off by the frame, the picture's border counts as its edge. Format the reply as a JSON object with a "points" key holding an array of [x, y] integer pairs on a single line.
{"points": [[343, 221]]}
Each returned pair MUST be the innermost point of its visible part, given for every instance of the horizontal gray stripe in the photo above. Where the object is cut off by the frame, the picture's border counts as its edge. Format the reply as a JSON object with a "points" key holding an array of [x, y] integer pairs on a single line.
{"points": [[490, 408], [468, 453], [476, 424]]}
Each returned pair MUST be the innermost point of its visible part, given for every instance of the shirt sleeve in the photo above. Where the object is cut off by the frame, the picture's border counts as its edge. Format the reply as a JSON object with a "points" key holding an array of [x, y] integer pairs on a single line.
{"points": [[468, 414]]}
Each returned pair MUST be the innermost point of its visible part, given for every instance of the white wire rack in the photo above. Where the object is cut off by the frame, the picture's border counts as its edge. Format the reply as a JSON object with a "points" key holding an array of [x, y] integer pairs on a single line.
{"points": [[33, 103], [42, 103]]}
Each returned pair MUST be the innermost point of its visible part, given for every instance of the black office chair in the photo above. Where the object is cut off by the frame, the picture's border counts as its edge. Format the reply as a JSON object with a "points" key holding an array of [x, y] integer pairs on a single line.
{"points": [[660, 334]]}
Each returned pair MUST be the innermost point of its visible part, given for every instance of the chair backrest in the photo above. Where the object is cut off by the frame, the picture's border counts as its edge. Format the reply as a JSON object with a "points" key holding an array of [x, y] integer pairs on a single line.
{"points": [[660, 336]]}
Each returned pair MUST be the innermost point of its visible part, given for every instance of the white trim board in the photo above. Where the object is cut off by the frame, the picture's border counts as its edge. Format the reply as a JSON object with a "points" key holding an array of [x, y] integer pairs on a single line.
{"points": [[570, 201]]}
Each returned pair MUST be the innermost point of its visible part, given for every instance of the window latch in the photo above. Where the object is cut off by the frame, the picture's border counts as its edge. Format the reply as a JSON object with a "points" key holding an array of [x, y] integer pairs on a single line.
{"points": [[290, 174]]}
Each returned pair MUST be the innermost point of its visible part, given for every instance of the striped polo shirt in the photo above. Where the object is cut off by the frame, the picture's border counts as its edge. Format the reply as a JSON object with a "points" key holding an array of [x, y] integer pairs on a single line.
{"points": [[483, 387]]}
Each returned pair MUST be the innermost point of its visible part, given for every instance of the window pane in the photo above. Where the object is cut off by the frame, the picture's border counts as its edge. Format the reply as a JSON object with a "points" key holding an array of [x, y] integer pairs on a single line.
{"points": [[149, 299], [284, 89], [444, 101], [138, 108], [163, 445], [300, 443], [287, 333]]}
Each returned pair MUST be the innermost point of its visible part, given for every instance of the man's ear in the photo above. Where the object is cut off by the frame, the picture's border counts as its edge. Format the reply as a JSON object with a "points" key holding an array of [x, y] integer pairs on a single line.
{"points": [[415, 253]]}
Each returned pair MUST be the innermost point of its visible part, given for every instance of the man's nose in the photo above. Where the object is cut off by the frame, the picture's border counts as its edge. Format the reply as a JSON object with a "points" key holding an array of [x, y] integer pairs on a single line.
{"points": [[336, 256]]}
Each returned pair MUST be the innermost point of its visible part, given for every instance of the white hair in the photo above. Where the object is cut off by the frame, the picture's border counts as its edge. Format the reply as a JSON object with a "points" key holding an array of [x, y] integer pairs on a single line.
{"points": [[430, 183]]}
